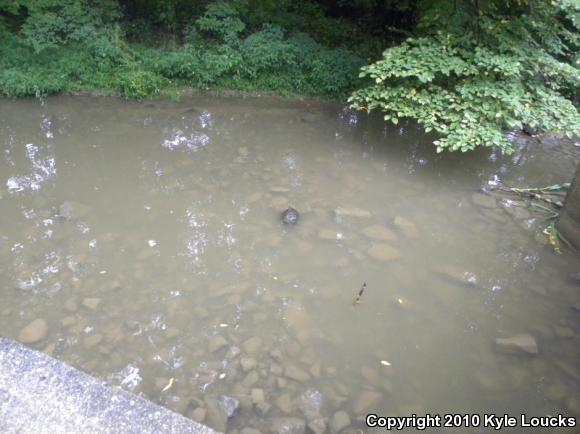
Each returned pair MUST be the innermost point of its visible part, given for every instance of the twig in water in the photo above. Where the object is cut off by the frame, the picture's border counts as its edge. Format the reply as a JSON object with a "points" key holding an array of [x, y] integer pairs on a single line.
{"points": [[553, 237], [555, 187], [168, 386], [553, 214], [359, 295]]}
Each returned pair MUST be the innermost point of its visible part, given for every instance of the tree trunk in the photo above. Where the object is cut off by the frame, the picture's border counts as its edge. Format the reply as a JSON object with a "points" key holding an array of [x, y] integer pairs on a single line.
{"points": [[569, 221]]}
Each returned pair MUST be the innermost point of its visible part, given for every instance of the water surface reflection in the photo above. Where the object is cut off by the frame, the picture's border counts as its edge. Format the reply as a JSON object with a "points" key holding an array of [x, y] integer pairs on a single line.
{"points": [[147, 238]]}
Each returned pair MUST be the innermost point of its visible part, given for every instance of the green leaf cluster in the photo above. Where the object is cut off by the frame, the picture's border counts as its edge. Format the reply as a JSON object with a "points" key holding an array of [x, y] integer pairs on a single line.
{"points": [[469, 80], [62, 45]]}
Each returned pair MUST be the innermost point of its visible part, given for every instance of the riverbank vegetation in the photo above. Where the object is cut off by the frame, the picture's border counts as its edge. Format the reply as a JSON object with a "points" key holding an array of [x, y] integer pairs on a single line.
{"points": [[139, 48], [473, 69], [465, 69]]}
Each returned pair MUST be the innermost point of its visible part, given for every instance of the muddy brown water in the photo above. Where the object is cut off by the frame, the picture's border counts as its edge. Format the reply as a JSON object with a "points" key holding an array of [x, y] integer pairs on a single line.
{"points": [[147, 237]]}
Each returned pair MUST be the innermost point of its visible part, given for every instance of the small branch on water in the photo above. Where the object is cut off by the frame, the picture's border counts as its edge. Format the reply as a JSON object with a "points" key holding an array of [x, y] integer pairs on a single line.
{"points": [[554, 187], [359, 295], [538, 192], [553, 235], [541, 194]]}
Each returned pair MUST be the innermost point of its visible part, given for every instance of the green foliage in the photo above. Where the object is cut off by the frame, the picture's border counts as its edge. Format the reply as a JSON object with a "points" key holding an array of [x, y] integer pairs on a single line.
{"points": [[471, 69], [501, 69], [332, 71], [266, 50], [60, 45], [266, 59], [54, 23], [220, 22], [16, 82], [140, 84]]}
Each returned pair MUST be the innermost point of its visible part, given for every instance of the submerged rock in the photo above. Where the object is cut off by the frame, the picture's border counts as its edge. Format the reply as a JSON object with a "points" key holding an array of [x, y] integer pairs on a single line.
{"points": [[378, 232], [310, 403], [339, 421], [457, 275], [370, 375], [233, 352], [252, 345], [318, 426], [330, 235], [308, 117], [288, 425], [91, 303], [284, 403], [518, 212], [384, 253], [216, 343], [564, 332], [555, 391], [93, 340], [247, 363], [219, 410], [489, 381], [352, 212], [297, 374], [290, 216], [366, 401], [34, 332], [523, 343], [70, 210], [407, 227], [198, 414], [252, 378], [483, 200], [250, 431], [71, 305], [228, 404], [258, 396], [575, 277]]}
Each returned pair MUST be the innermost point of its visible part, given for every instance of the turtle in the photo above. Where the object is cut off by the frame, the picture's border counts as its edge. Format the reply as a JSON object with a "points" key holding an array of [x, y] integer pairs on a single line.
{"points": [[290, 216]]}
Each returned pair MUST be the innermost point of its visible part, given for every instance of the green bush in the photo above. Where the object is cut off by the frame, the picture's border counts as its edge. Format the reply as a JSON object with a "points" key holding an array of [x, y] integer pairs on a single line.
{"points": [[54, 23], [267, 50], [220, 23], [181, 64], [53, 46], [469, 84], [334, 71], [19, 83], [140, 84]]}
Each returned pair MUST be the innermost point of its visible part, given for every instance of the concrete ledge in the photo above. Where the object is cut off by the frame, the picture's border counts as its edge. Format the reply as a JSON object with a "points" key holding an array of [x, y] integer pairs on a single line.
{"points": [[39, 394]]}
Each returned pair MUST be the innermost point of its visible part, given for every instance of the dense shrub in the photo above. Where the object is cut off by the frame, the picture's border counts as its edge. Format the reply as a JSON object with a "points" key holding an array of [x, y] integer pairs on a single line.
{"points": [[54, 23], [62, 45], [31, 82], [220, 23], [139, 84], [267, 50], [509, 66]]}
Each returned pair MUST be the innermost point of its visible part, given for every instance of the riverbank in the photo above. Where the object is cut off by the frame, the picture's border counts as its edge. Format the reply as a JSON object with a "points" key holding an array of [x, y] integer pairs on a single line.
{"points": [[266, 61], [176, 94]]}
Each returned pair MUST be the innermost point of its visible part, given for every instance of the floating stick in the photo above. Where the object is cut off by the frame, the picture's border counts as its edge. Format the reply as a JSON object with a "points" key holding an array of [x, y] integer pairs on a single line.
{"points": [[171, 380], [360, 293]]}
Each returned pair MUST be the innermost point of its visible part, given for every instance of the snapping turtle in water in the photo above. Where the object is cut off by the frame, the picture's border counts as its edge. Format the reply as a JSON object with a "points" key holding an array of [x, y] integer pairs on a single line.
{"points": [[290, 216]]}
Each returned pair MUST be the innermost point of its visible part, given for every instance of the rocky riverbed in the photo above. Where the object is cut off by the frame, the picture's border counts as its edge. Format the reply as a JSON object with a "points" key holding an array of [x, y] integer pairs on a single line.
{"points": [[143, 243]]}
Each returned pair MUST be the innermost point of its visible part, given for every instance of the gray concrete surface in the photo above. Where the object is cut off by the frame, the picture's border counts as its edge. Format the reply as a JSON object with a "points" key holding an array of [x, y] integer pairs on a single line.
{"points": [[39, 394]]}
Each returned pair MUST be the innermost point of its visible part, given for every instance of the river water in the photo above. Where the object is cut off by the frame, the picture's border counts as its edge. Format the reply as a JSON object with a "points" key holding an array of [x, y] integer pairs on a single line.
{"points": [[143, 242]]}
